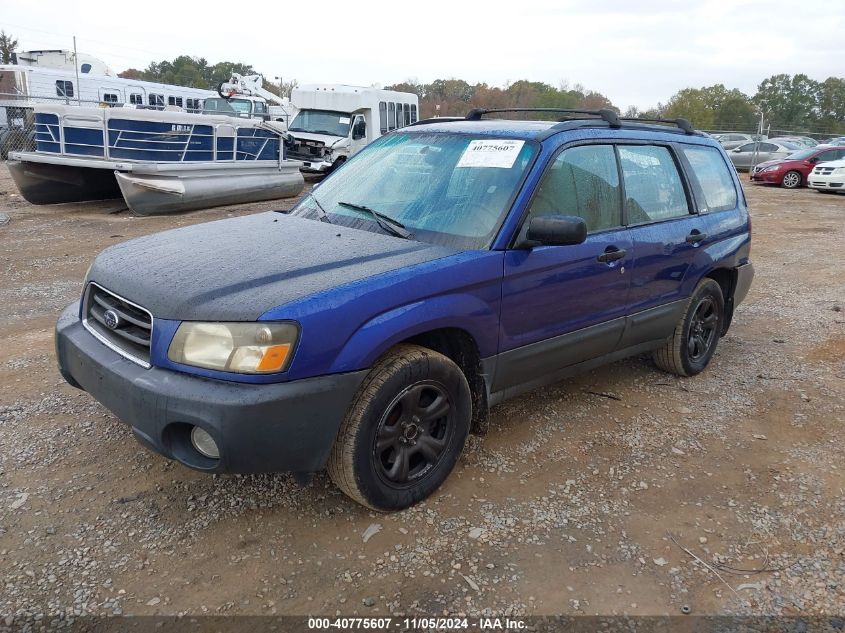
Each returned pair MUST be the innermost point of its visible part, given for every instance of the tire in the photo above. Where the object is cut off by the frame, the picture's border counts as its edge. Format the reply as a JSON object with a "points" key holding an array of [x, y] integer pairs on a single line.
{"points": [[386, 422], [791, 180], [696, 335]]}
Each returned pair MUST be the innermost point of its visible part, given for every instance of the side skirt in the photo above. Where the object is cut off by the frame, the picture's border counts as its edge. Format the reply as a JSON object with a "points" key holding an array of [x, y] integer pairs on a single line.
{"points": [[572, 370]]}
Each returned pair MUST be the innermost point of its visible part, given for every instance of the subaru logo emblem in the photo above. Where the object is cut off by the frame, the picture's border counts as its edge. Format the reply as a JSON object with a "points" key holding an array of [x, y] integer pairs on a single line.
{"points": [[111, 319]]}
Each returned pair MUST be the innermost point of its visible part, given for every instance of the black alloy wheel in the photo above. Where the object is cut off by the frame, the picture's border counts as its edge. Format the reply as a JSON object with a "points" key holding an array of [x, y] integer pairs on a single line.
{"points": [[413, 433], [702, 330]]}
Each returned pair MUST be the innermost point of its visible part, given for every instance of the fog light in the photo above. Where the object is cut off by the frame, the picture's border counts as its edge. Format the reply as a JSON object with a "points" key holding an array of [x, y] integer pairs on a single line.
{"points": [[204, 443]]}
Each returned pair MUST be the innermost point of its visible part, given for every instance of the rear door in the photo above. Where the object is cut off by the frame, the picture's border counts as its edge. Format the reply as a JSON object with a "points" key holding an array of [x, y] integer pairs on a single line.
{"points": [[666, 232], [741, 156], [565, 304]]}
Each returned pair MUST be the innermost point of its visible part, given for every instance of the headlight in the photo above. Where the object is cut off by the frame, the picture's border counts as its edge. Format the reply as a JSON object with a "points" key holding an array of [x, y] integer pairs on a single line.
{"points": [[772, 168], [839, 170], [243, 348]]}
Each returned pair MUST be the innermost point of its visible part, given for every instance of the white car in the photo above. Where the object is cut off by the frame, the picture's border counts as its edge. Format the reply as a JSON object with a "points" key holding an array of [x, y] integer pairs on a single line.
{"points": [[828, 177]]}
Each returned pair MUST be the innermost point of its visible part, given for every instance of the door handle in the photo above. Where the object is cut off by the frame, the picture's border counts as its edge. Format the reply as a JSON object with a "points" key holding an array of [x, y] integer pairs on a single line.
{"points": [[611, 254], [695, 236]]}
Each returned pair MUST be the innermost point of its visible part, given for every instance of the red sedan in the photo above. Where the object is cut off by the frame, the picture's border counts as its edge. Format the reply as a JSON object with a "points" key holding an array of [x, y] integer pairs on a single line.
{"points": [[791, 172]]}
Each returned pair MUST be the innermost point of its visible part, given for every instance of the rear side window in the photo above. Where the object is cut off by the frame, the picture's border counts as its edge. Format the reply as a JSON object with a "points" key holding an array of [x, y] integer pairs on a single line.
{"points": [[582, 181], [653, 187], [713, 176], [382, 116]]}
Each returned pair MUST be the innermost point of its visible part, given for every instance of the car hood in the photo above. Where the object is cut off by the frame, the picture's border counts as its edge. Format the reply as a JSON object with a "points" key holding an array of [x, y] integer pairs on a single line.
{"points": [[777, 161], [237, 269], [833, 163]]}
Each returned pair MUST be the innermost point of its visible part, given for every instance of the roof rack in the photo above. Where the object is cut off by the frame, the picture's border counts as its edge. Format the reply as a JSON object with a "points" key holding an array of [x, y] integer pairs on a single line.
{"points": [[685, 125], [437, 119], [606, 114]]}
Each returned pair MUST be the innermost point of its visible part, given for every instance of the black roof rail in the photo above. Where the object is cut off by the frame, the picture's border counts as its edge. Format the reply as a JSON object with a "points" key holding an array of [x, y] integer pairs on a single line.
{"points": [[606, 114], [436, 119], [685, 125]]}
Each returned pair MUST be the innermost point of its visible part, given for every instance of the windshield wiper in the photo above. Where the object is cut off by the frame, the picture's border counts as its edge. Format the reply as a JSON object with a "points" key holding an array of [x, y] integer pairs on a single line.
{"points": [[321, 212], [388, 224]]}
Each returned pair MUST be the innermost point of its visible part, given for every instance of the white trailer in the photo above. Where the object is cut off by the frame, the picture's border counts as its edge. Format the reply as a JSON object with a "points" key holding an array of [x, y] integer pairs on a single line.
{"points": [[336, 121], [23, 86]]}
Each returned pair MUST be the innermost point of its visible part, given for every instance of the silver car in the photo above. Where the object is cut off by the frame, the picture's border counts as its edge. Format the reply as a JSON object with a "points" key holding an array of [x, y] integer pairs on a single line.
{"points": [[729, 140], [750, 154]]}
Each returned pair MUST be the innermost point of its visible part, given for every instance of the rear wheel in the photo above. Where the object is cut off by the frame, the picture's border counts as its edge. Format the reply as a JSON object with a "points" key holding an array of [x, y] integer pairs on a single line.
{"points": [[791, 180], [697, 333], [404, 430]]}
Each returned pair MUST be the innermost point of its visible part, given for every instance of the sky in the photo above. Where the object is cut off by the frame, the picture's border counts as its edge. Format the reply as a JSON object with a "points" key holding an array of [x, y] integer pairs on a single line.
{"points": [[637, 52]]}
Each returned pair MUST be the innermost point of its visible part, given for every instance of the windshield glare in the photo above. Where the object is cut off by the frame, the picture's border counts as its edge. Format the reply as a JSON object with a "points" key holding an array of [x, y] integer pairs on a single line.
{"points": [[446, 189], [321, 122]]}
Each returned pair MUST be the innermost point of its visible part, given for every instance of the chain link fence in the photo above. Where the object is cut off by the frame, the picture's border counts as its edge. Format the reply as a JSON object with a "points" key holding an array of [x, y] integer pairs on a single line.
{"points": [[818, 134], [17, 122]]}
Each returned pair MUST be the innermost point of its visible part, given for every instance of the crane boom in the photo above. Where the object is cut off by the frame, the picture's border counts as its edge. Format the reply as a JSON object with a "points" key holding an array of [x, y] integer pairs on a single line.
{"points": [[249, 86]]}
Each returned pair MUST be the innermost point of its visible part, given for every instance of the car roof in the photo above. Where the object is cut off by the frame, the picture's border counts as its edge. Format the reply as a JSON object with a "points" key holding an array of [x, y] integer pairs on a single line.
{"points": [[492, 127]]}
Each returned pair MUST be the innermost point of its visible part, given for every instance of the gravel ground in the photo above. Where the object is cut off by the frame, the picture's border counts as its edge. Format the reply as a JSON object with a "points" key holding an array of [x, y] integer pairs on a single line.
{"points": [[624, 490]]}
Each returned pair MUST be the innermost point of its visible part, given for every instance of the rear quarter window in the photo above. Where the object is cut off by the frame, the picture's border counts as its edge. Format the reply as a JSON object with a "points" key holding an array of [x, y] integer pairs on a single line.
{"points": [[711, 172]]}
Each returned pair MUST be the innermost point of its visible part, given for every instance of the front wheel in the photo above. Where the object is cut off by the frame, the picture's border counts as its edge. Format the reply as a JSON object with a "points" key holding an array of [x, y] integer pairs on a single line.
{"points": [[697, 333], [404, 430], [791, 180]]}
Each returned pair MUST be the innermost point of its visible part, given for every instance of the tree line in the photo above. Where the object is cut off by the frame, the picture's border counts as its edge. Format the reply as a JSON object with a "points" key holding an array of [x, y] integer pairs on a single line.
{"points": [[796, 103], [456, 97], [786, 102]]}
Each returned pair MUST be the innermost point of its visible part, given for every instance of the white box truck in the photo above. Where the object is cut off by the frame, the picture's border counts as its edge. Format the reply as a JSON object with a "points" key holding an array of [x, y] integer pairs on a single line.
{"points": [[333, 121]]}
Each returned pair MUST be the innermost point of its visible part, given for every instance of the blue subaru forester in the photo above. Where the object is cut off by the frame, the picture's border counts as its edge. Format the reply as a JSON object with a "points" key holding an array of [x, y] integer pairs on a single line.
{"points": [[448, 266]]}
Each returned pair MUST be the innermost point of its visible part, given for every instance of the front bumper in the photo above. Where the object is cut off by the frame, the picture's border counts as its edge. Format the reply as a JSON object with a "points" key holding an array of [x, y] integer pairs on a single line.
{"points": [[258, 428], [316, 166], [773, 177], [827, 181]]}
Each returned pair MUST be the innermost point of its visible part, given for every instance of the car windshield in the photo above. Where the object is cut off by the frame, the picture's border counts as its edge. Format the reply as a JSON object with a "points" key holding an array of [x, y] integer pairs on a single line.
{"points": [[230, 107], [321, 122], [447, 189], [804, 154]]}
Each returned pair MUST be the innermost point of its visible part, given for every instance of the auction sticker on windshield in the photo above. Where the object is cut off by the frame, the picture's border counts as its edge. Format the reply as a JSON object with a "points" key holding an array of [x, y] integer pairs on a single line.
{"points": [[490, 153]]}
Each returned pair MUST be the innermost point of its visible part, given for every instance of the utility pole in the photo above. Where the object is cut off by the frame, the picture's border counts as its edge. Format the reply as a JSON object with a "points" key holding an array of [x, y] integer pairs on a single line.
{"points": [[76, 66]]}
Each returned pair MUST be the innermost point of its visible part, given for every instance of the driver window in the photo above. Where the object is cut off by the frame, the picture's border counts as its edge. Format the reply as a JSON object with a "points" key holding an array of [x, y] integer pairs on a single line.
{"points": [[582, 181]]}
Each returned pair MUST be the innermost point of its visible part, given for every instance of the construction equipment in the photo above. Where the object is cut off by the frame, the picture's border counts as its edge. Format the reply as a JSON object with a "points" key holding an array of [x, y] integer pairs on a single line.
{"points": [[245, 96]]}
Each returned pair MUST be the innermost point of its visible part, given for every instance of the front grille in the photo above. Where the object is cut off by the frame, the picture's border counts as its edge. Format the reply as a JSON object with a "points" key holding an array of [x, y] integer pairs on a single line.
{"points": [[307, 150], [823, 171], [118, 323]]}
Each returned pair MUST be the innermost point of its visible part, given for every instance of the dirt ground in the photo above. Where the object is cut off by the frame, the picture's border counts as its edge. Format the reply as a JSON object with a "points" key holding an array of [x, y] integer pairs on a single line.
{"points": [[625, 490]]}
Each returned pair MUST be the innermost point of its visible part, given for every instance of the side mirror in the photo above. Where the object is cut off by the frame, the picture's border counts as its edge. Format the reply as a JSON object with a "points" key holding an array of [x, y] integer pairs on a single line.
{"points": [[557, 230], [359, 131]]}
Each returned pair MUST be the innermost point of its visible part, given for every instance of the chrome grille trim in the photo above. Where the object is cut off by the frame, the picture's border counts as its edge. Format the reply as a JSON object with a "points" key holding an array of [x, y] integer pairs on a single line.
{"points": [[130, 355]]}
